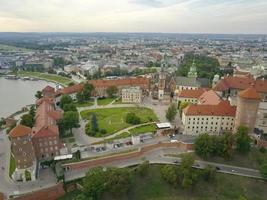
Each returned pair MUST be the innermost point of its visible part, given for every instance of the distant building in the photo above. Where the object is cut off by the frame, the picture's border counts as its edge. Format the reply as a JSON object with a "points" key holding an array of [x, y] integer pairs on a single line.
{"points": [[131, 95], [23, 151]]}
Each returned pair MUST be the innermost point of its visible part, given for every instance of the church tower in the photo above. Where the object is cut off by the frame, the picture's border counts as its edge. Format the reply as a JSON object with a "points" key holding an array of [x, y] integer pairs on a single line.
{"points": [[193, 70]]}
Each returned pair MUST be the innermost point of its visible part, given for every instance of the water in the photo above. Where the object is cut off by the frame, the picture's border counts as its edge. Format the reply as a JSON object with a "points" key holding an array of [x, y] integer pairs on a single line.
{"points": [[15, 94]]}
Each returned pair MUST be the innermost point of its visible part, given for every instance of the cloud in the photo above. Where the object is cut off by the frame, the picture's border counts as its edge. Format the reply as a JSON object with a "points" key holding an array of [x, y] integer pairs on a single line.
{"points": [[214, 16]]}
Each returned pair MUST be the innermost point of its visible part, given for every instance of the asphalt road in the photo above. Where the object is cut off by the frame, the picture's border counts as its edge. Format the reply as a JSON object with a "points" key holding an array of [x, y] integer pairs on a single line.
{"points": [[158, 157]]}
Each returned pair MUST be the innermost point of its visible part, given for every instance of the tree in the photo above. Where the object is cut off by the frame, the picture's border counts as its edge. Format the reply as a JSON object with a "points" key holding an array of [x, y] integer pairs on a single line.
{"points": [[189, 176], [168, 172], [263, 169], [112, 91], [94, 124], [39, 95], [32, 111], [95, 182], [242, 140], [131, 118], [71, 84], [182, 105], [119, 181], [69, 107], [80, 97], [143, 168], [65, 99], [70, 120], [27, 120], [209, 173], [203, 146], [171, 112], [228, 145], [87, 91]]}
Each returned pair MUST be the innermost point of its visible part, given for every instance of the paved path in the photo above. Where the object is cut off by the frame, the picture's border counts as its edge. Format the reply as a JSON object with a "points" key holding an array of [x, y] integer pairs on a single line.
{"points": [[8, 186]]}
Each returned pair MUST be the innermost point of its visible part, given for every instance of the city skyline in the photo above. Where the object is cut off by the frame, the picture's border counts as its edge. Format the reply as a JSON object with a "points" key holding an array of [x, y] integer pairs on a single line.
{"points": [[168, 16]]}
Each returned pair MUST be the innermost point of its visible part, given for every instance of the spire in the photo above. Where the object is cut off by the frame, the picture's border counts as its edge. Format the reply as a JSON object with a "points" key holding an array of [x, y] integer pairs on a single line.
{"points": [[193, 70]]}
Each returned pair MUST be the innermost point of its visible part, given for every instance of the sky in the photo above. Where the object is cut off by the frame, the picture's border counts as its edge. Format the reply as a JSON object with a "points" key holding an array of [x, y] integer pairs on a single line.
{"points": [[169, 16]]}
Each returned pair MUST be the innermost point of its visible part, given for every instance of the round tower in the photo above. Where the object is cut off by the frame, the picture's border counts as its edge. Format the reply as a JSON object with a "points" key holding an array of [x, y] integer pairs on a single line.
{"points": [[247, 108]]}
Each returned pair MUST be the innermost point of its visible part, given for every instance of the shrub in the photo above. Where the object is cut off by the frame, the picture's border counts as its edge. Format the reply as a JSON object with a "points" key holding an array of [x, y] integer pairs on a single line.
{"points": [[131, 118]]}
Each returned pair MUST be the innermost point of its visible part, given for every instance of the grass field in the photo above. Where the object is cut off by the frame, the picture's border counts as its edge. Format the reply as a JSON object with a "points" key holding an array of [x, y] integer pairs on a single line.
{"points": [[105, 101], [85, 104], [143, 129], [113, 119], [48, 77], [9, 48], [224, 187], [12, 165]]}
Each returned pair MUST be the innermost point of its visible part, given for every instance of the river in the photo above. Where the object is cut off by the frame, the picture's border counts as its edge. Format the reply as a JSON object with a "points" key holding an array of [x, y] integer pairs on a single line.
{"points": [[15, 94]]}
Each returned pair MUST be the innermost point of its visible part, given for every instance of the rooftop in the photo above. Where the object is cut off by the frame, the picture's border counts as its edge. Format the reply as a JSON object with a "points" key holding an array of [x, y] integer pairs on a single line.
{"points": [[20, 131]]}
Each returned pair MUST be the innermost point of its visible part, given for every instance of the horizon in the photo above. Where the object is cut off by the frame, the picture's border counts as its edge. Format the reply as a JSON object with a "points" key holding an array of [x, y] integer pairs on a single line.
{"points": [[135, 16]]}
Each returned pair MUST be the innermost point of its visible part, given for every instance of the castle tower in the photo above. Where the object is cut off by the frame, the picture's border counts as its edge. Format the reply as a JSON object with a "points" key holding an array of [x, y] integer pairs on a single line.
{"points": [[247, 107]]}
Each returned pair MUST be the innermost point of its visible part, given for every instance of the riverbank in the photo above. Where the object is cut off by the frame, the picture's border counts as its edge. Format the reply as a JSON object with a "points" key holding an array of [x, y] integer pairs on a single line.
{"points": [[64, 81]]}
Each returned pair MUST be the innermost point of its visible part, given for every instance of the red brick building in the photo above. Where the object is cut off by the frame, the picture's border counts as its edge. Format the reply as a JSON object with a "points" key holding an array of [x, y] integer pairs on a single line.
{"points": [[45, 133]]}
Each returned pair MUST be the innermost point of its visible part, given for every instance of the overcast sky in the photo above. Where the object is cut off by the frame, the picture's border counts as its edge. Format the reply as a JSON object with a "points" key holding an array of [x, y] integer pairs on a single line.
{"points": [[179, 16]]}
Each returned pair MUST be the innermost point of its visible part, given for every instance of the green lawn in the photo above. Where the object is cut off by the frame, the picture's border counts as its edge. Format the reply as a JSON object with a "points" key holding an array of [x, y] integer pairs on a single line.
{"points": [[143, 129], [48, 77], [113, 119], [105, 101], [85, 104], [250, 160], [224, 187], [12, 165]]}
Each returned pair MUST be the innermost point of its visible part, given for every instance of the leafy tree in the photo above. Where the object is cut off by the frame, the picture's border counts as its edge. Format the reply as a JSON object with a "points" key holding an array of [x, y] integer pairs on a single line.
{"points": [[263, 169], [32, 111], [242, 140], [65, 99], [171, 112], [143, 168], [209, 173], [70, 120], [189, 176], [2, 122], [39, 95], [182, 105], [27, 120], [119, 181], [95, 182], [28, 175], [203, 146], [112, 91], [94, 124], [168, 172], [69, 107], [228, 145], [71, 84], [80, 97], [131, 118], [87, 91]]}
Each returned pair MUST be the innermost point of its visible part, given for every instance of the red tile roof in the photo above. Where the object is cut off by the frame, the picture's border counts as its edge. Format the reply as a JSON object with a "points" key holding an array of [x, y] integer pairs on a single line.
{"points": [[191, 93], [120, 82], [222, 109], [72, 89], [250, 93], [46, 121], [20, 131], [209, 98], [47, 99], [48, 89], [240, 83]]}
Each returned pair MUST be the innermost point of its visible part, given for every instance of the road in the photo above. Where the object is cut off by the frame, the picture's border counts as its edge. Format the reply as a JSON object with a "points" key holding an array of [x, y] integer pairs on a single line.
{"points": [[158, 156], [8, 186]]}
